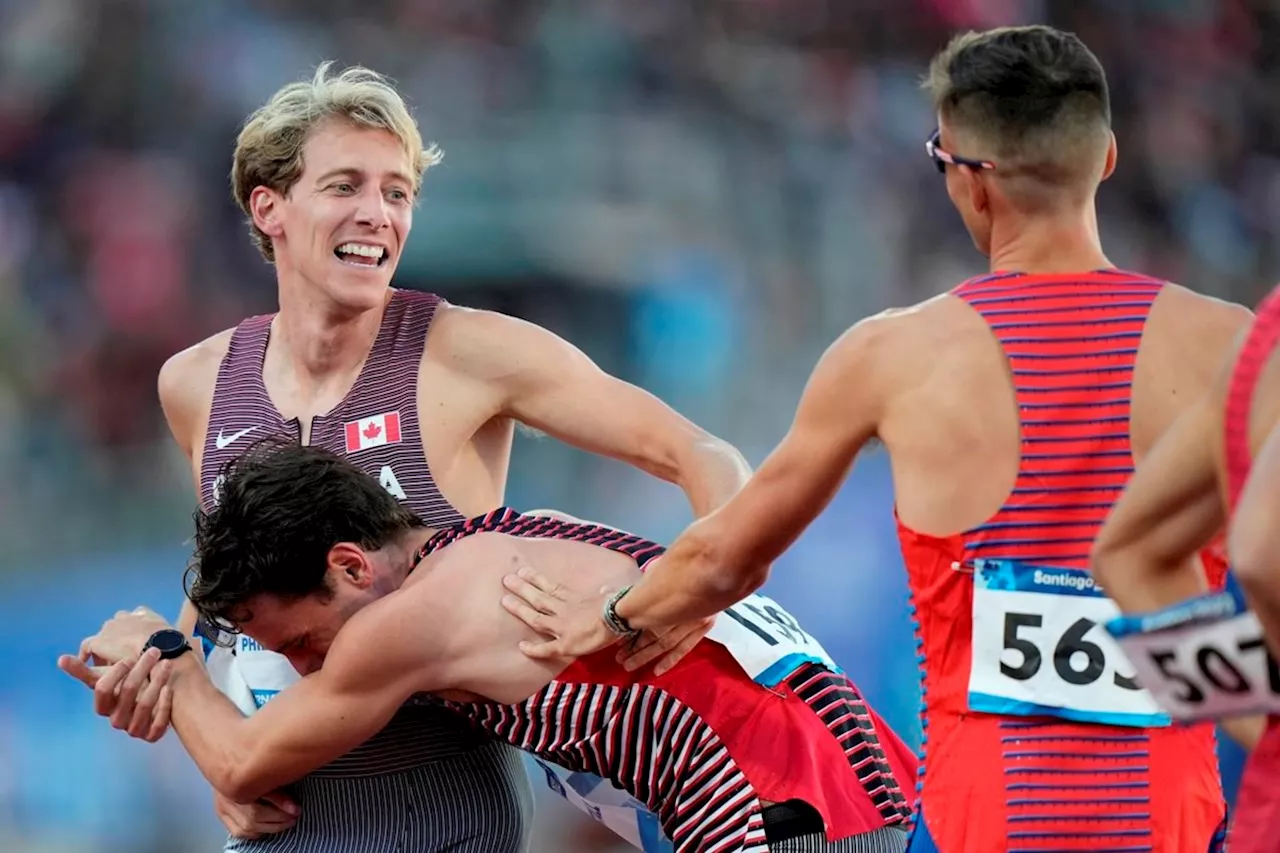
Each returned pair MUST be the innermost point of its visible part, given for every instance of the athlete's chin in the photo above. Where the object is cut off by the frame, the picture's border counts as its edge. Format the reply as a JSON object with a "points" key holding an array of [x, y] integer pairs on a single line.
{"points": [[361, 290]]}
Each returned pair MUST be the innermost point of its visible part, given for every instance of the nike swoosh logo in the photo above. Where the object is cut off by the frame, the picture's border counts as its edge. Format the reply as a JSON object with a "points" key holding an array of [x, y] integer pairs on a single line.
{"points": [[224, 441]]}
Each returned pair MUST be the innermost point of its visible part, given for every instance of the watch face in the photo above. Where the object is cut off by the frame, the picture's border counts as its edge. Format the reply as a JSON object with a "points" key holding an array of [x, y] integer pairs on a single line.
{"points": [[167, 640]]}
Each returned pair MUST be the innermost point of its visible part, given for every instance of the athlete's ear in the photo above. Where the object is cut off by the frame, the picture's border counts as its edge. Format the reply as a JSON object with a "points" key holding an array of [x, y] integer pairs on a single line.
{"points": [[1110, 165], [264, 208], [348, 563], [976, 187]]}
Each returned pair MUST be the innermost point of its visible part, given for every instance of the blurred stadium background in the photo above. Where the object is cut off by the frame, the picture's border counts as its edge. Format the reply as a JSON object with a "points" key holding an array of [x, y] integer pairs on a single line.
{"points": [[700, 193]]}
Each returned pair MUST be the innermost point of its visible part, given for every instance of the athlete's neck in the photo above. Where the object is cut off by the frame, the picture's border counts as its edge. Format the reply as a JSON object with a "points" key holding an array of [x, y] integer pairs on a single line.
{"points": [[410, 546], [319, 341], [1061, 243]]}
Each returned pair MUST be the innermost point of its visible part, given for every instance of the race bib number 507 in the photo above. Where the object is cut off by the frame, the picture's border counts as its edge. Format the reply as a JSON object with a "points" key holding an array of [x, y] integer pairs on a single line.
{"points": [[1202, 659], [1040, 648]]}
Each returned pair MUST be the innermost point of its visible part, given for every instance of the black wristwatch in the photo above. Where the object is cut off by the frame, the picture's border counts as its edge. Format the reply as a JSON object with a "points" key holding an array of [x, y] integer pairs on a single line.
{"points": [[171, 643]]}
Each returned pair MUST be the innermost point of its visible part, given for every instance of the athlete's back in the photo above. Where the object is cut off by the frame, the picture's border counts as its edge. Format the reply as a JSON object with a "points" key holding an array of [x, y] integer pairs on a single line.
{"points": [[952, 429], [797, 729], [1025, 400]]}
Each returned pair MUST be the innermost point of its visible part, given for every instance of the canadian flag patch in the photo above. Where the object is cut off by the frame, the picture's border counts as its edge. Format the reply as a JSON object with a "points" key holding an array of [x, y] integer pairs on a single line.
{"points": [[373, 431]]}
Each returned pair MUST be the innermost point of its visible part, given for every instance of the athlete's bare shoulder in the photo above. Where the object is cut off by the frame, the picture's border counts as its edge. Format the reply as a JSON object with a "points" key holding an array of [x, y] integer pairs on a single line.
{"points": [[866, 344], [863, 371], [894, 340], [1196, 330], [1188, 310], [463, 558], [185, 385], [457, 330], [477, 342]]}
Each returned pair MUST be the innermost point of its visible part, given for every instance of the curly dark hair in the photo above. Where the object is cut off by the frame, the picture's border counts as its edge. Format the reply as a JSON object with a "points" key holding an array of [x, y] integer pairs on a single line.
{"points": [[281, 507]]}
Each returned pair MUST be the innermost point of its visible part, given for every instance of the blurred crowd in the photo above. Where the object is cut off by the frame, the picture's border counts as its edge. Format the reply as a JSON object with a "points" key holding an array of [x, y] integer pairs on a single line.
{"points": [[720, 186], [700, 193]]}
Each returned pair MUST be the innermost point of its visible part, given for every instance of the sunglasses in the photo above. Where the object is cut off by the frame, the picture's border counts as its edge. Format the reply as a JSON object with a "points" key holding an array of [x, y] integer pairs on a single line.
{"points": [[941, 158]]}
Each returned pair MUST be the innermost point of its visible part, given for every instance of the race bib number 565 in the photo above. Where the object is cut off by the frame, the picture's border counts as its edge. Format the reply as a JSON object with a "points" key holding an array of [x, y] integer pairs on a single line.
{"points": [[1040, 648]]}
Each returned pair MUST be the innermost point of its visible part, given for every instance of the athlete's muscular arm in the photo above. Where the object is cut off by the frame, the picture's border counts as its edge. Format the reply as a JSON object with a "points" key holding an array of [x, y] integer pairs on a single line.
{"points": [[727, 555], [541, 380], [185, 386], [381, 657], [1145, 554], [1254, 540]]}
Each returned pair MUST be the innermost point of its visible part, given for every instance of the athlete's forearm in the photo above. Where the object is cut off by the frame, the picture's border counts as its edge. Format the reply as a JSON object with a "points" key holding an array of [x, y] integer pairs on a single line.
{"points": [[1137, 568], [301, 729], [214, 732], [691, 581], [316, 720], [1140, 584], [722, 558], [1144, 555], [1254, 541]]}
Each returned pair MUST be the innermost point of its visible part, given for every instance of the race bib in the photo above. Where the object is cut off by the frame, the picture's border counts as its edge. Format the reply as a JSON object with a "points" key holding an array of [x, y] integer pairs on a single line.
{"points": [[608, 804], [766, 640], [246, 673], [1040, 648], [1202, 659]]}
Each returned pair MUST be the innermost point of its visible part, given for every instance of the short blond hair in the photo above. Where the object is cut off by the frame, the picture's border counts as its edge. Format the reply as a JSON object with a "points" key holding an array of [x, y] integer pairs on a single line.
{"points": [[268, 150]]}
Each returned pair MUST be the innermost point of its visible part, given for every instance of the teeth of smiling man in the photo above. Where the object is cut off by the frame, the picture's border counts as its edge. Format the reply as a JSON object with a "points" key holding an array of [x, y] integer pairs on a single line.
{"points": [[360, 249]]}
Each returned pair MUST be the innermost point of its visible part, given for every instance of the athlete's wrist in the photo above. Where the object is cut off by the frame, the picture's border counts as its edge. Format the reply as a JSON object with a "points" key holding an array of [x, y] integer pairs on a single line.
{"points": [[613, 617], [188, 666]]}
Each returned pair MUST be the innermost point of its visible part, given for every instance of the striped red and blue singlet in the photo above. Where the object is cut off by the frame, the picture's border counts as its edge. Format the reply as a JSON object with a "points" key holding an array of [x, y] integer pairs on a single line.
{"points": [[1031, 784], [1256, 825]]}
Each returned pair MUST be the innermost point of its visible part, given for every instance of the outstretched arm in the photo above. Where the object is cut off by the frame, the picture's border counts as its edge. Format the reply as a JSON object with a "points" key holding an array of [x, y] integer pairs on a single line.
{"points": [[379, 659], [723, 557], [1144, 556], [545, 382]]}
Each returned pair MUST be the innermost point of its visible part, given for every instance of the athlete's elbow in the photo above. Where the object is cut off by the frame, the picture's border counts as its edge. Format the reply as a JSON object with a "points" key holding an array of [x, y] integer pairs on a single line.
{"points": [[239, 788], [240, 781], [731, 467], [708, 469], [1103, 558], [1116, 556], [1252, 548]]}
